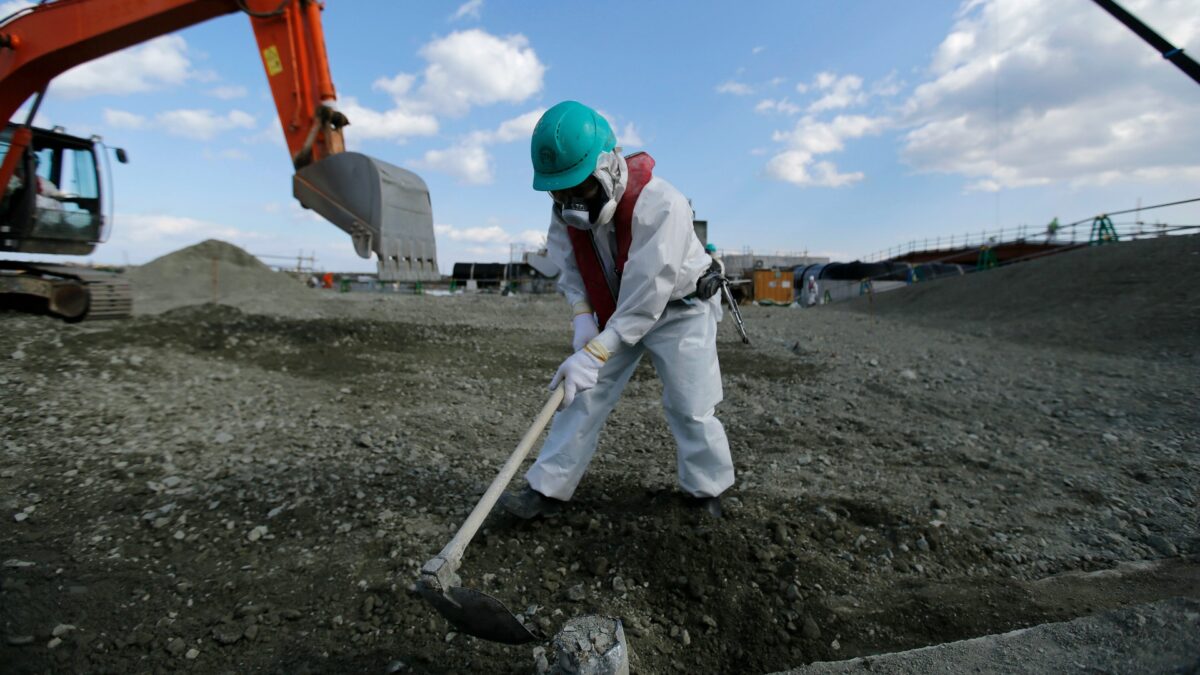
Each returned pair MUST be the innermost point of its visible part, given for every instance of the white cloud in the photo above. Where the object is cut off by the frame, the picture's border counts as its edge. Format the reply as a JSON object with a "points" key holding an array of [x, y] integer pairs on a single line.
{"points": [[758, 50], [150, 227], [202, 124], [797, 163], [395, 124], [472, 9], [469, 160], [493, 234], [473, 67], [840, 92], [123, 120], [7, 8], [228, 92], [629, 137], [471, 164], [228, 153], [158, 63], [1024, 93], [734, 87], [464, 69], [784, 106], [198, 124]]}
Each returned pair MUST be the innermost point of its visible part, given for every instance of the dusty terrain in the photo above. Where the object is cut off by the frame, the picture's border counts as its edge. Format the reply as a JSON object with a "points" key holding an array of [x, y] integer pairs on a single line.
{"points": [[215, 490]]}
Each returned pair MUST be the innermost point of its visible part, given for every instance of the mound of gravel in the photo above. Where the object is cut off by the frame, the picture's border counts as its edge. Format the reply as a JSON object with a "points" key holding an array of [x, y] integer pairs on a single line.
{"points": [[1123, 299], [216, 271]]}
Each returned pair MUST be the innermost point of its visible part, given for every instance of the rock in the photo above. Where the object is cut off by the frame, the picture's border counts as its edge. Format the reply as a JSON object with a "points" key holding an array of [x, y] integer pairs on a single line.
{"points": [[226, 634], [685, 638], [290, 614], [192, 654], [576, 593], [54, 642], [19, 640], [587, 645], [598, 566], [810, 629], [922, 544], [62, 629], [908, 374], [222, 437], [251, 631], [708, 621], [618, 585], [1110, 438], [18, 355], [171, 481], [20, 517], [256, 533], [1162, 545], [176, 646]]}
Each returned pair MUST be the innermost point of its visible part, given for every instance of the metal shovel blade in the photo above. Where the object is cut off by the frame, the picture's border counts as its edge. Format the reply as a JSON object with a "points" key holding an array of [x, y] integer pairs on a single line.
{"points": [[477, 614]]}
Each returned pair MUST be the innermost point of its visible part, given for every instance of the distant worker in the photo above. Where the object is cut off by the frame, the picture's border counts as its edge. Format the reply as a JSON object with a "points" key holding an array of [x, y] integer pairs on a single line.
{"points": [[327, 280], [638, 280], [811, 287]]}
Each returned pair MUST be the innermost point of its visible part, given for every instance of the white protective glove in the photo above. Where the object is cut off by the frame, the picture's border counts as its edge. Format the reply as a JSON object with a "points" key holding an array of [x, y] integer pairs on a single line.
{"points": [[578, 374], [585, 330]]}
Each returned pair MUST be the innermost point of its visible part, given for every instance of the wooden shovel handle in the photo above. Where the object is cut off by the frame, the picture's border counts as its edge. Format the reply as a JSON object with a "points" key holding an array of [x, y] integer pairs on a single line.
{"points": [[452, 552]]}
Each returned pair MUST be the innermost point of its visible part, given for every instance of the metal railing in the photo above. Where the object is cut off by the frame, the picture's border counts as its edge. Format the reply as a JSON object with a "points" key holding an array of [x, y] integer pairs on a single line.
{"points": [[1080, 231]]}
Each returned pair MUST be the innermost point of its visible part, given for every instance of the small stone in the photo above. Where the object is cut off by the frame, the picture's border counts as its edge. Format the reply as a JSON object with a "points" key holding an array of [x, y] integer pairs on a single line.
{"points": [[226, 635], [922, 545], [576, 593], [251, 631], [873, 362], [835, 645], [618, 585], [172, 481], [396, 666], [222, 437], [62, 629], [598, 566], [256, 533], [1110, 438], [192, 654], [908, 374], [20, 640], [810, 629], [708, 621], [685, 638], [176, 646], [20, 517], [290, 614], [54, 642]]}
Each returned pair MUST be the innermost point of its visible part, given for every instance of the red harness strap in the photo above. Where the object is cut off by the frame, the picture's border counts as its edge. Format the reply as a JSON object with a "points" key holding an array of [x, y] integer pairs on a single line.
{"points": [[587, 259]]}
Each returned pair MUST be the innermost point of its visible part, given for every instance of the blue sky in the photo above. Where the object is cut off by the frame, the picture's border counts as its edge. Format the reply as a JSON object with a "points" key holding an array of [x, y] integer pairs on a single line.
{"points": [[837, 128]]}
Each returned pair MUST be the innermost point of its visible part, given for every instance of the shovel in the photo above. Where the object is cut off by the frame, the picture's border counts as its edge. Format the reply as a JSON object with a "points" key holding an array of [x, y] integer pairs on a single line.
{"points": [[471, 611]]}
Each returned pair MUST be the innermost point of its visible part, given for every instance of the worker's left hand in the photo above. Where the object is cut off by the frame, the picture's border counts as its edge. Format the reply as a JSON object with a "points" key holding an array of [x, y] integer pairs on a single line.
{"points": [[585, 330], [709, 283], [578, 374]]}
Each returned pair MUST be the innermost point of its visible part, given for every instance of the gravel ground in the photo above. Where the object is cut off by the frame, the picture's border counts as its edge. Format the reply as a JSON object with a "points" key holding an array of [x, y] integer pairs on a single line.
{"points": [[219, 491]]}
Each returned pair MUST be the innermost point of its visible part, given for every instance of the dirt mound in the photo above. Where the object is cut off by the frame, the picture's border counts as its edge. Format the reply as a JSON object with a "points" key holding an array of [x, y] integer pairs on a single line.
{"points": [[215, 271], [1127, 298]]}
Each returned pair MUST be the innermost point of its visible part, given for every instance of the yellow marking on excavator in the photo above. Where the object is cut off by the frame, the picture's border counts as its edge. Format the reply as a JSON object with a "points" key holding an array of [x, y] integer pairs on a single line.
{"points": [[271, 58]]}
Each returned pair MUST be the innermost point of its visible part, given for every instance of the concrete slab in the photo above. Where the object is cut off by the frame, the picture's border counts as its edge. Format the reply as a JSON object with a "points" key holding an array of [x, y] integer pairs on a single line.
{"points": [[1160, 637]]}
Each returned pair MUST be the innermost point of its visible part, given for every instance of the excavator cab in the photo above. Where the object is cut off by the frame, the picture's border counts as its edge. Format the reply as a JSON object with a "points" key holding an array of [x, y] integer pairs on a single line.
{"points": [[53, 202]]}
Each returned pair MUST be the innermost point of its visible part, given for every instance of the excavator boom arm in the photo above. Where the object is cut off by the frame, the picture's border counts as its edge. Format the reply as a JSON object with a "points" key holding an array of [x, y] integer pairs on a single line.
{"points": [[385, 209]]}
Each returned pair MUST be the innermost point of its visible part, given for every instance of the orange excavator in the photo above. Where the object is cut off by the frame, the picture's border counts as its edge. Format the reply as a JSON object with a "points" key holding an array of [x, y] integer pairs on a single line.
{"points": [[55, 202]]}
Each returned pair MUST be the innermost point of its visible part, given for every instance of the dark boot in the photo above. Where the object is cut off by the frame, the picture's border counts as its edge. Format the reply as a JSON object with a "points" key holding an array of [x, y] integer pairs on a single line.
{"points": [[710, 506], [528, 503]]}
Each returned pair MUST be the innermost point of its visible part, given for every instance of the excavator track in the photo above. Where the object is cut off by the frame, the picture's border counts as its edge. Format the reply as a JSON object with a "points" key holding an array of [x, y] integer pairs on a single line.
{"points": [[71, 293]]}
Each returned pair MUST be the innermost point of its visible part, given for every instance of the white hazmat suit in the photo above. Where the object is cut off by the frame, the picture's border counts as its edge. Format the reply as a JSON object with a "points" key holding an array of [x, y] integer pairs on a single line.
{"points": [[652, 316]]}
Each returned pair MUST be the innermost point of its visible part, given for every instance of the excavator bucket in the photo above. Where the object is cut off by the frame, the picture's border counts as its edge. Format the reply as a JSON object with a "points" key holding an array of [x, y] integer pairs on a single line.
{"points": [[384, 208]]}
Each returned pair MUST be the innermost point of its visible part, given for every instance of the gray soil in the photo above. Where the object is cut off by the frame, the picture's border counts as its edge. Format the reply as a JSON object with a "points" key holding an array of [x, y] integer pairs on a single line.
{"points": [[253, 489]]}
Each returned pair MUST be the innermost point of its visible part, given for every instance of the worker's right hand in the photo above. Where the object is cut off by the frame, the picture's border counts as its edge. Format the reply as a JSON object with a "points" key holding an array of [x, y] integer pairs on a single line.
{"points": [[585, 330], [578, 374]]}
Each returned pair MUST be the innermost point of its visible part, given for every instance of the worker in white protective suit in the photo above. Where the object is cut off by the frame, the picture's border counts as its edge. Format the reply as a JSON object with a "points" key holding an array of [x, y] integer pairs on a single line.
{"points": [[639, 282]]}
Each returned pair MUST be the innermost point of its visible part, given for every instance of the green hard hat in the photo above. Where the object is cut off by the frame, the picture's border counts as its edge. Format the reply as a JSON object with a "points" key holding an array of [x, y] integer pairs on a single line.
{"points": [[710, 248], [566, 142]]}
